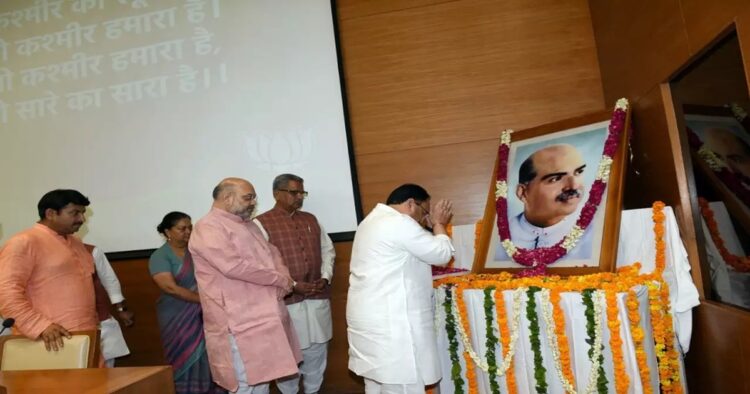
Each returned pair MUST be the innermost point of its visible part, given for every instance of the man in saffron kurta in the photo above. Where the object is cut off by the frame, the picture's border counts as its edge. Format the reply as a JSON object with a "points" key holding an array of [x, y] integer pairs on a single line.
{"points": [[46, 280], [242, 282]]}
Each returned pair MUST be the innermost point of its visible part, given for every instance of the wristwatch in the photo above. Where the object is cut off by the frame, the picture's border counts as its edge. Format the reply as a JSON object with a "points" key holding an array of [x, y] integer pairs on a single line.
{"points": [[121, 307]]}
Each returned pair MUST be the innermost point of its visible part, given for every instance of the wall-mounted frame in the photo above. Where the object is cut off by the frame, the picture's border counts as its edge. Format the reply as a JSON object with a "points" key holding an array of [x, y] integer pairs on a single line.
{"points": [[566, 156]]}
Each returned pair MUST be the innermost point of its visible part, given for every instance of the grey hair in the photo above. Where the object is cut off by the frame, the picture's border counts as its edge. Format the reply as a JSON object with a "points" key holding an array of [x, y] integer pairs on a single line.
{"points": [[284, 179]]}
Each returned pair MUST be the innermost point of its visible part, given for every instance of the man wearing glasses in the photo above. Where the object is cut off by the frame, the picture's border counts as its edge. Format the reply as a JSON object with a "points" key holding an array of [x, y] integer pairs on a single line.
{"points": [[389, 311], [309, 254], [242, 282]]}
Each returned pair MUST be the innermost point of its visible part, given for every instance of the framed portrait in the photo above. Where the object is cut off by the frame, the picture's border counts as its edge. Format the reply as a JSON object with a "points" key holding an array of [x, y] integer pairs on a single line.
{"points": [[720, 150], [552, 173]]}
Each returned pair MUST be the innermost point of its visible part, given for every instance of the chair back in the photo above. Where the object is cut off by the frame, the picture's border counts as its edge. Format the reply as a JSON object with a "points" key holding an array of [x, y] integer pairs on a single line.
{"points": [[18, 353]]}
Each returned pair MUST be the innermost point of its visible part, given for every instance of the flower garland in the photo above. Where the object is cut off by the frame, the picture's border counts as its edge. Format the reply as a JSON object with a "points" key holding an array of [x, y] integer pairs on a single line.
{"points": [[622, 382], [597, 379], [462, 325], [491, 339], [540, 373], [450, 328], [537, 259], [607, 285], [596, 361], [637, 333], [463, 328], [508, 341], [739, 263], [562, 339]]}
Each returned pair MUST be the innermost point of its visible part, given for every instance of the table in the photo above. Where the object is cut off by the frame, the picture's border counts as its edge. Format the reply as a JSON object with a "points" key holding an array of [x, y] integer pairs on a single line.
{"points": [[140, 380]]}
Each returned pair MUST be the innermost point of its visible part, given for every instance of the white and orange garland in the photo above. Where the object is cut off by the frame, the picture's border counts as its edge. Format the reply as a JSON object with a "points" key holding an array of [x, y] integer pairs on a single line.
{"points": [[536, 260], [600, 291]]}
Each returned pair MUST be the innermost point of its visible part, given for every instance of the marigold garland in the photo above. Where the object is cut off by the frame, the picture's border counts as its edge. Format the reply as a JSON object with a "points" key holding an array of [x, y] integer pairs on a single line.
{"points": [[471, 378], [637, 333], [739, 263], [607, 285], [622, 381], [562, 339], [502, 324]]}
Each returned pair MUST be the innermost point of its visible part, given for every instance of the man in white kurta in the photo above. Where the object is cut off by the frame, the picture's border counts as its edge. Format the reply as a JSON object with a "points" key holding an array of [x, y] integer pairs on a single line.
{"points": [[389, 310]]}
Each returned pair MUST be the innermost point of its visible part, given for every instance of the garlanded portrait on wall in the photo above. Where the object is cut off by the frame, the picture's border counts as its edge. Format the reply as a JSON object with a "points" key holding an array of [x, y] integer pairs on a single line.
{"points": [[554, 203]]}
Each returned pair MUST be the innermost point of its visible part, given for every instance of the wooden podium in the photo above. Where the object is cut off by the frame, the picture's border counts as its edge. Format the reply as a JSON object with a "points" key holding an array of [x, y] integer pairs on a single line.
{"points": [[135, 380]]}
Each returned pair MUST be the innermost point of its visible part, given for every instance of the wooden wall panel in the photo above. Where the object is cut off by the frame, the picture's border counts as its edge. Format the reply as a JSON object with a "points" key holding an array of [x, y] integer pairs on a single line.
{"points": [[639, 44], [140, 294], [719, 357], [348, 9], [463, 71], [460, 172]]}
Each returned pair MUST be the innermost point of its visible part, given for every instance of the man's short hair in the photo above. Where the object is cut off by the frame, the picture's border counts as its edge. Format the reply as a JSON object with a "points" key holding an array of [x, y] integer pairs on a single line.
{"points": [[58, 199], [405, 192], [527, 172], [284, 179]]}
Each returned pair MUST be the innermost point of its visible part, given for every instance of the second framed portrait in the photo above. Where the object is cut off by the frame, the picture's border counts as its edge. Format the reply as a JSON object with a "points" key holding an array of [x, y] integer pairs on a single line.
{"points": [[555, 198]]}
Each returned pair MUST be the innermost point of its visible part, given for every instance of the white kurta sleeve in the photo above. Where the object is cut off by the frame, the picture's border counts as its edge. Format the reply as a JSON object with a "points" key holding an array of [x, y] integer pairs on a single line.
{"points": [[262, 230], [432, 249], [107, 276], [327, 254]]}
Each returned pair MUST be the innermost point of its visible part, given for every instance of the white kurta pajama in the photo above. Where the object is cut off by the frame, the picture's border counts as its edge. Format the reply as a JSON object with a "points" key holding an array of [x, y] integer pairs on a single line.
{"points": [[389, 310], [112, 340]]}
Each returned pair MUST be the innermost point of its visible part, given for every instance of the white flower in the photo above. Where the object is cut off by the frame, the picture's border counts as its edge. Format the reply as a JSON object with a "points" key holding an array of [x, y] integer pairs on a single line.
{"points": [[622, 104], [505, 136], [570, 241], [713, 161], [602, 173], [501, 189], [509, 247]]}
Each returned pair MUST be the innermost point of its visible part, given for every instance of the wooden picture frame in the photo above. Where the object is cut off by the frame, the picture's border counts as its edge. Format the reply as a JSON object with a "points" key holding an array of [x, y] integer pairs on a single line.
{"points": [[699, 119], [583, 130]]}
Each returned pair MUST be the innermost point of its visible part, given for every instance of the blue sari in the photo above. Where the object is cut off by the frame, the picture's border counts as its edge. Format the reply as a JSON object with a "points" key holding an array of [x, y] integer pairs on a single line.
{"points": [[181, 326]]}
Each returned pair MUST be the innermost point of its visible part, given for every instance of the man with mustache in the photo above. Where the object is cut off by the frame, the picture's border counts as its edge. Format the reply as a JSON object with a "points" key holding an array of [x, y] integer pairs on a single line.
{"points": [[242, 281], [309, 254], [550, 185], [46, 281]]}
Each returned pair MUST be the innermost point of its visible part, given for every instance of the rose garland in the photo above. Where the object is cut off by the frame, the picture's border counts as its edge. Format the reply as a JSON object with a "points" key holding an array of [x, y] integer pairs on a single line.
{"points": [[537, 259], [739, 263], [540, 373], [625, 280]]}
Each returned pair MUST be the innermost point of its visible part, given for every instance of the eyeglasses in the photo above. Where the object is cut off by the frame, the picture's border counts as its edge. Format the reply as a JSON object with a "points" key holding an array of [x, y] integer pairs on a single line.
{"points": [[424, 211], [295, 192]]}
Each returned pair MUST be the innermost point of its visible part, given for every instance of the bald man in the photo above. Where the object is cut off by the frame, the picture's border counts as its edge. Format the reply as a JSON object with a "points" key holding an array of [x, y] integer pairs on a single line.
{"points": [[242, 282], [550, 185]]}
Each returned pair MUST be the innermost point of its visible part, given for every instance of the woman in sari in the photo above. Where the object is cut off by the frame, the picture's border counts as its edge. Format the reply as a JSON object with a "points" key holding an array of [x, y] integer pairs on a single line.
{"points": [[179, 309]]}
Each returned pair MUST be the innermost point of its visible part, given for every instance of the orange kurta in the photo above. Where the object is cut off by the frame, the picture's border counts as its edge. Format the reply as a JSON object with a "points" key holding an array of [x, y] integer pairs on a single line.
{"points": [[46, 278]]}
